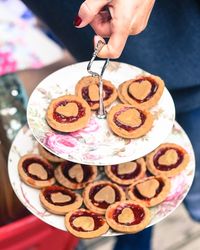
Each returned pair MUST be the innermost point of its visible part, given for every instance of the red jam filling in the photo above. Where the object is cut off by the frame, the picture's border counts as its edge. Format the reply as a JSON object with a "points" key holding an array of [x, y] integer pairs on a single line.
{"points": [[163, 167], [102, 204], [126, 127], [141, 197], [87, 173], [134, 174], [137, 211], [153, 90], [98, 220], [26, 163], [106, 90], [55, 189], [64, 119]]}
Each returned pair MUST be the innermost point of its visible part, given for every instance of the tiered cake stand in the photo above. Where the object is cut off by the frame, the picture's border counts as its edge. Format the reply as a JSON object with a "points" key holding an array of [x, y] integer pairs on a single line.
{"points": [[96, 144]]}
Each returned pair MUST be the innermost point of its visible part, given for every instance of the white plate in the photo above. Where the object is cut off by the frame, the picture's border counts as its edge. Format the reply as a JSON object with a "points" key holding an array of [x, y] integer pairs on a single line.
{"points": [[25, 143], [96, 144]]}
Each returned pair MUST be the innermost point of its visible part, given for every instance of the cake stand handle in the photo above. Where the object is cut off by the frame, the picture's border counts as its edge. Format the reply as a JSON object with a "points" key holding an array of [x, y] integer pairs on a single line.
{"points": [[101, 113]]}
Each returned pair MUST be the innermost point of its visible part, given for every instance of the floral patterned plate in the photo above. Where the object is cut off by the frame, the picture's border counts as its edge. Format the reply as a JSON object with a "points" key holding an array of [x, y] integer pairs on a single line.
{"points": [[30, 196], [96, 144]]}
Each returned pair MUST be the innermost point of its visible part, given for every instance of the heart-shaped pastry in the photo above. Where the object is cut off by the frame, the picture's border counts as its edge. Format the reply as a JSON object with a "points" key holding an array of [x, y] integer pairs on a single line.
{"points": [[126, 216], [93, 91], [85, 222], [130, 117], [38, 170], [106, 194], [76, 172], [127, 168], [60, 197], [168, 158], [148, 188], [98, 196], [70, 109], [35, 171], [140, 90]]}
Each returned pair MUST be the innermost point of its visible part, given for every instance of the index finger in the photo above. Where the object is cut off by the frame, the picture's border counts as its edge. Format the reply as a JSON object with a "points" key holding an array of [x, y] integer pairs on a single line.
{"points": [[116, 43]]}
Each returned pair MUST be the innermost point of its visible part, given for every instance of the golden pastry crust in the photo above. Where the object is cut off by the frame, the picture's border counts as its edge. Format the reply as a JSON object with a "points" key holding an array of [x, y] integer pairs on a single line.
{"points": [[142, 92], [126, 173], [128, 222], [129, 122], [73, 220], [121, 98], [32, 170], [91, 84], [75, 176], [68, 113], [151, 190], [106, 193], [49, 156], [169, 159], [53, 199]]}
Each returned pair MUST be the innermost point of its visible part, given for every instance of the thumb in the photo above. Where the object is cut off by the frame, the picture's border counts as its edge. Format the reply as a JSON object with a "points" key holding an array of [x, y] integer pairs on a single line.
{"points": [[88, 10]]}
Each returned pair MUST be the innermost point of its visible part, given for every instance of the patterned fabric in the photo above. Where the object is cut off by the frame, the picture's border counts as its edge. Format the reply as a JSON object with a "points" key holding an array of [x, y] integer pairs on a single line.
{"points": [[22, 44]]}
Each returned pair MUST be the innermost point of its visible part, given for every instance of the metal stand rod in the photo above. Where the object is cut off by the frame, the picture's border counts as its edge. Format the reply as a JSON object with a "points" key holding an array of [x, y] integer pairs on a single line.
{"points": [[101, 113]]}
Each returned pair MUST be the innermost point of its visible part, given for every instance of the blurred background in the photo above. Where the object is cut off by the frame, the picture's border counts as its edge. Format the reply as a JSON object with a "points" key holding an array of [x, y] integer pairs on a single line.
{"points": [[25, 43]]}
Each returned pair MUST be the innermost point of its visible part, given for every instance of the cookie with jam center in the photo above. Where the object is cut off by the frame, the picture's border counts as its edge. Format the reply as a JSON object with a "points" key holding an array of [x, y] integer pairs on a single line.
{"points": [[150, 191], [128, 216], [59, 200], [169, 159], [88, 89], [100, 194], [129, 122], [35, 171], [126, 173], [75, 176], [143, 92], [85, 224], [68, 113]]}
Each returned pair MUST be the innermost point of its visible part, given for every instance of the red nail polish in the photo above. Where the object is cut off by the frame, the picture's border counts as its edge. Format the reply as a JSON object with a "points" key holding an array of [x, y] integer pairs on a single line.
{"points": [[77, 21]]}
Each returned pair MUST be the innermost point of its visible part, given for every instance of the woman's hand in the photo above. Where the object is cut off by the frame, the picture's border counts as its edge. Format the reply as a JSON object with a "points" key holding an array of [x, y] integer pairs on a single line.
{"points": [[116, 19]]}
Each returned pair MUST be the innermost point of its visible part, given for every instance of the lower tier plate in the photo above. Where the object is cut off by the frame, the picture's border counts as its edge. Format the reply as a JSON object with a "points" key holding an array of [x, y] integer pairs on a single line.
{"points": [[25, 143]]}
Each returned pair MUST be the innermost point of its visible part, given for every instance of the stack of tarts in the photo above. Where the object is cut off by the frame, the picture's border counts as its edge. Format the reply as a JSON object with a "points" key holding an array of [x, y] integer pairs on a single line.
{"points": [[129, 118], [94, 199], [118, 197]]}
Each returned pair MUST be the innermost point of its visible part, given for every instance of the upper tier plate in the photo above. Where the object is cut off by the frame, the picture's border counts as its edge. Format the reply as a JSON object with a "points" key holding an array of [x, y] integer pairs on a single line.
{"points": [[96, 144]]}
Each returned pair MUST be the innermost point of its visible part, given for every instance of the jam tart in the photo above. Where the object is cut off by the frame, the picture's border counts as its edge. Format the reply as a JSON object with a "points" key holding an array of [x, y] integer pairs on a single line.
{"points": [[129, 122], [59, 200], [100, 194], [48, 155], [128, 216], [68, 113], [35, 171], [85, 224], [168, 159], [142, 92], [75, 176], [88, 89], [126, 173], [150, 191]]}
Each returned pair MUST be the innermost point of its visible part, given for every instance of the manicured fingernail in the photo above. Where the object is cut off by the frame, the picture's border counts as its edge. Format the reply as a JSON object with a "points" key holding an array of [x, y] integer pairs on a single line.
{"points": [[77, 21]]}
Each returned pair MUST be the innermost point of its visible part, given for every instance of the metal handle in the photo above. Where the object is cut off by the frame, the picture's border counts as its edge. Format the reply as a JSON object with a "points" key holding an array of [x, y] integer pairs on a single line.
{"points": [[101, 113]]}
